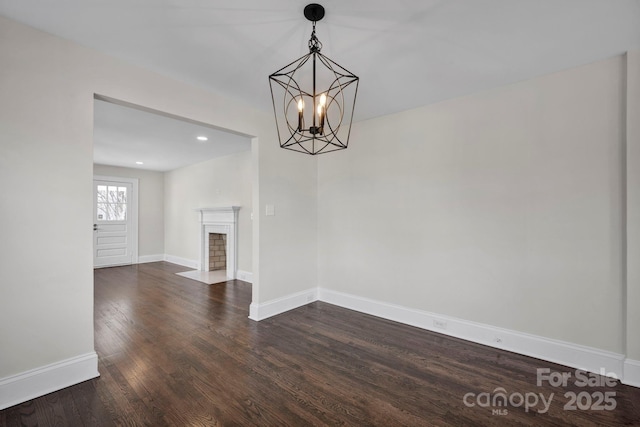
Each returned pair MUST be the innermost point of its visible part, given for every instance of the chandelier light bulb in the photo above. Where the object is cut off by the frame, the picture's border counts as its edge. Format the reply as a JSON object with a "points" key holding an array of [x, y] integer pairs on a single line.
{"points": [[300, 115]]}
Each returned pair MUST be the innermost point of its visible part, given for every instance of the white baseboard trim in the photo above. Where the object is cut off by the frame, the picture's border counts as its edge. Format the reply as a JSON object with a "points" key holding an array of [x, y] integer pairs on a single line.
{"points": [[37, 382], [143, 259], [280, 305], [556, 351], [631, 372], [245, 276], [182, 261]]}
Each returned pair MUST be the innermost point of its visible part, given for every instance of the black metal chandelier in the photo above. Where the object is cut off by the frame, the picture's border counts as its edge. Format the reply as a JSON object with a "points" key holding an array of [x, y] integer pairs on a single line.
{"points": [[313, 98]]}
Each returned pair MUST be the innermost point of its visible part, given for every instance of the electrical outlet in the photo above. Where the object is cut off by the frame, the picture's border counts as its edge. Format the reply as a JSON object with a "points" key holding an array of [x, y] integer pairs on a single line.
{"points": [[497, 340], [440, 324]]}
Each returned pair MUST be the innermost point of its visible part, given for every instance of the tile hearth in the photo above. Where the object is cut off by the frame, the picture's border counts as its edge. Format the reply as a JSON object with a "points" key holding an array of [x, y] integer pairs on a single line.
{"points": [[208, 277]]}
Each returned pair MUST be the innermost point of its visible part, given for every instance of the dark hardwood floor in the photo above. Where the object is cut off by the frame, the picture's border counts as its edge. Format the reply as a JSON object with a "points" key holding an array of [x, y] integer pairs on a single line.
{"points": [[177, 352]]}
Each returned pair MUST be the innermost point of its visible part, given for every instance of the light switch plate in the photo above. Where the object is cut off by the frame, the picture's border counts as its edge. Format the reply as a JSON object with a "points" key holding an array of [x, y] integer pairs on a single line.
{"points": [[270, 210]]}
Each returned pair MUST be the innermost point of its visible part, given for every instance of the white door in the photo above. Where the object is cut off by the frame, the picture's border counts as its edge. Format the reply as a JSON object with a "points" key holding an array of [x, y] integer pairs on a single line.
{"points": [[113, 215]]}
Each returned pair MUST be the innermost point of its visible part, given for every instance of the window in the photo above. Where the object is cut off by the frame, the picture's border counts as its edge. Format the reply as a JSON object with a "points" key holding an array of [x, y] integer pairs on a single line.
{"points": [[111, 203]]}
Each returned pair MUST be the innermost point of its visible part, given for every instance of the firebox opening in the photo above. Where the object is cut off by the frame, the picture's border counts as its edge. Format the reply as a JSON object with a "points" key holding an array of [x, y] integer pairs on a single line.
{"points": [[217, 251]]}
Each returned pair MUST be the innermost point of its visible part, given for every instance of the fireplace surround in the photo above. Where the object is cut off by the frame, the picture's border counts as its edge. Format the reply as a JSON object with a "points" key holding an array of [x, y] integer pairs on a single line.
{"points": [[221, 220]]}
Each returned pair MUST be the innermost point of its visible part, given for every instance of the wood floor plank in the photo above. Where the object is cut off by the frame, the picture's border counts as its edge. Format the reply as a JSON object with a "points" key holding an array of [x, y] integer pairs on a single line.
{"points": [[175, 352]]}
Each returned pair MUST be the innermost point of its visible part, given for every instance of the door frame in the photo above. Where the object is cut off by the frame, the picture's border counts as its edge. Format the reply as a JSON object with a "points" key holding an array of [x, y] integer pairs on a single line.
{"points": [[132, 212]]}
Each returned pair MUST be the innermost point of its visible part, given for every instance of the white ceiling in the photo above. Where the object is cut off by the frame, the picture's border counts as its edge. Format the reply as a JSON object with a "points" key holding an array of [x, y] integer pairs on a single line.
{"points": [[123, 136], [407, 53]]}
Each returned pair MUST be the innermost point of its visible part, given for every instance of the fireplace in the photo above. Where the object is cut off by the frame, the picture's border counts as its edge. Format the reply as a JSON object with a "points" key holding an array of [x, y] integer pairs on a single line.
{"points": [[218, 234]]}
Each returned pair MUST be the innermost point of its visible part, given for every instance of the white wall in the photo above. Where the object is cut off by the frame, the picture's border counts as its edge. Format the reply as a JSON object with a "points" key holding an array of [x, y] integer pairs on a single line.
{"points": [[46, 125], [503, 208], [223, 181], [633, 208], [46, 303], [150, 206], [288, 252]]}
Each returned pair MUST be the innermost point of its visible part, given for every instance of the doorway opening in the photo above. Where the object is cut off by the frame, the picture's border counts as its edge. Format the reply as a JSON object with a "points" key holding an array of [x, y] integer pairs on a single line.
{"points": [[174, 162]]}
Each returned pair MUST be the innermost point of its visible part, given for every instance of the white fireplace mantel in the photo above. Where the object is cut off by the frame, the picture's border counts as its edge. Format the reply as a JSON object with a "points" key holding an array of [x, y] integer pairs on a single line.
{"points": [[221, 220]]}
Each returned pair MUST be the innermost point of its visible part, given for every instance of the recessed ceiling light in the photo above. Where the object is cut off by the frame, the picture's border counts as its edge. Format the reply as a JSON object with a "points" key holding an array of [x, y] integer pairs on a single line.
{"points": [[139, 163], [203, 138]]}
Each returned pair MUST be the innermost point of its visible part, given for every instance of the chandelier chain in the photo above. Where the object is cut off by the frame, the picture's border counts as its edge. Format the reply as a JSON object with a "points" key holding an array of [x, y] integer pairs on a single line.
{"points": [[314, 43]]}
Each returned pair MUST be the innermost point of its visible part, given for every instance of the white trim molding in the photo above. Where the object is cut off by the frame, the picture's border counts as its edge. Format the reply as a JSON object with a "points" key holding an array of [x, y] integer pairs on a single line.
{"points": [[143, 259], [280, 305], [245, 276], [556, 351], [37, 382], [190, 263], [631, 372]]}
